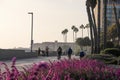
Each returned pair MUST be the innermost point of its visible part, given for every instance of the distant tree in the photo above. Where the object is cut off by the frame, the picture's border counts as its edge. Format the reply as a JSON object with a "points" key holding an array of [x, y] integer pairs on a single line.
{"points": [[63, 33], [76, 30], [73, 27], [66, 31], [83, 42], [82, 27], [87, 26], [87, 41], [80, 42]]}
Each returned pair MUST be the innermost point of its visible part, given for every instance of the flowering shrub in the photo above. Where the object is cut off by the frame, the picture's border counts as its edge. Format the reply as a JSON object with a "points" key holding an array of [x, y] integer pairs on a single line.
{"points": [[65, 69]]}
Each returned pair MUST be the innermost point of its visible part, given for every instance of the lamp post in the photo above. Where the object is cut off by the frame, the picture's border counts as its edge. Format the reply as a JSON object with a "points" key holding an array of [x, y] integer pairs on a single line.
{"points": [[31, 29]]}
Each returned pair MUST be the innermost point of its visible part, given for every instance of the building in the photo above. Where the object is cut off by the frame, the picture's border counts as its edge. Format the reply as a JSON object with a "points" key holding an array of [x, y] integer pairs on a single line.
{"points": [[109, 13], [54, 45]]}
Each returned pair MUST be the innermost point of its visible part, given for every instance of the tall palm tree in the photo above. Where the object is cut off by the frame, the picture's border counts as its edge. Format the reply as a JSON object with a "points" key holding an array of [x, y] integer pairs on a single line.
{"points": [[98, 24], [90, 19], [76, 30], [105, 23], [82, 27], [73, 27], [63, 33], [87, 26], [116, 20], [66, 31], [92, 6]]}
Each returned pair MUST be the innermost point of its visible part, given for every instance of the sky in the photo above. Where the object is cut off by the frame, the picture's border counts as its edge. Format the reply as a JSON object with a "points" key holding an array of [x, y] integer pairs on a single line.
{"points": [[50, 17]]}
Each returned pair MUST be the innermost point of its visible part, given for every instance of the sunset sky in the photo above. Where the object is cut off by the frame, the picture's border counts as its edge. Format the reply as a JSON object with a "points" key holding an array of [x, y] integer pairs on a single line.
{"points": [[50, 18]]}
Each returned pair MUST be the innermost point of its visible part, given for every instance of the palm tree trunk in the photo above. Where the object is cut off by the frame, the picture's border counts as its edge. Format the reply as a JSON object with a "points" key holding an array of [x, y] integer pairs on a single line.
{"points": [[91, 31], [99, 7], [82, 32], [73, 36], [66, 38], [88, 31], [95, 31], [82, 38], [105, 23]]}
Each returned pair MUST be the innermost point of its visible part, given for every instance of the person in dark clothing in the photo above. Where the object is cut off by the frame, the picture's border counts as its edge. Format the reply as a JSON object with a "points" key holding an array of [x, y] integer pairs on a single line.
{"points": [[47, 50], [69, 53], [82, 54], [59, 51], [39, 50]]}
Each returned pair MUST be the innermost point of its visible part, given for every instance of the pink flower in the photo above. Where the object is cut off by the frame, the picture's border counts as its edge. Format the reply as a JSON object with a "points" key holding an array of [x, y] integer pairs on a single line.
{"points": [[13, 61]]}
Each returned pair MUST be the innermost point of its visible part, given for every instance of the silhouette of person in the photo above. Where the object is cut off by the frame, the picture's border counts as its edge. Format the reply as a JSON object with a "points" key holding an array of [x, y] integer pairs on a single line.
{"points": [[47, 51], [59, 51], [39, 50], [82, 54], [69, 53]]}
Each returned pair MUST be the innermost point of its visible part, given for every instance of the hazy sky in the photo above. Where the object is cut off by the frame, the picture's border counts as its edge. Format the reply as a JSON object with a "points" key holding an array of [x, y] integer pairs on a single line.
{"points": [[50, 18]]}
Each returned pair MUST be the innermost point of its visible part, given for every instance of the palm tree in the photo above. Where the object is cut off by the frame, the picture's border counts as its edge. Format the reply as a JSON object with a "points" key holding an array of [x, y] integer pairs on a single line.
{"points": [[92, 6], [82, 27], [91, 24], [76, 30], [98, 40], [66, 31], [63, 33], [87, 26], [105, 23], [116, 20], [73, 27]]}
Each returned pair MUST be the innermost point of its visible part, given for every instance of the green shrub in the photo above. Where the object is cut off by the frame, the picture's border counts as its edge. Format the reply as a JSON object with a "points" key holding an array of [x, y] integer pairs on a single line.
{"points": [[106, 58], [112, 51], [117, 46], [110, 44]]}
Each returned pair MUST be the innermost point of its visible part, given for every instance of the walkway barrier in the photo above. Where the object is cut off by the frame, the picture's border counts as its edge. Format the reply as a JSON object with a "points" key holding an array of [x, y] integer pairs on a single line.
{"points": [[8, 54]]}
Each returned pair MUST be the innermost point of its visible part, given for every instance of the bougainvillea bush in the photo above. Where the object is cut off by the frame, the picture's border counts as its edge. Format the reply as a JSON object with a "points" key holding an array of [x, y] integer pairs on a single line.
{"points": [[73, 69]]}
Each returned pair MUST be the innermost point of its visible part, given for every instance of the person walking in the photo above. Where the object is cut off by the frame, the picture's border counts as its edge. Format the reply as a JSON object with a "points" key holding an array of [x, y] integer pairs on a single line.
{"points": [[82, 54], [59, 51], [69, 53], [47, 51], [39, 50]]}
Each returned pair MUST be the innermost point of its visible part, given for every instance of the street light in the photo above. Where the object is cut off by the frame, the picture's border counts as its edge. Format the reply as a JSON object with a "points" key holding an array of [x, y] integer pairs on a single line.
{"points": [[31, 29]]}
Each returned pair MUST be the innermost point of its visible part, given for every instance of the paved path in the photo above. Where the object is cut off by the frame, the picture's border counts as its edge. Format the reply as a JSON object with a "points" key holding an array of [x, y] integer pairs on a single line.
{"points": [[25, 62]]}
